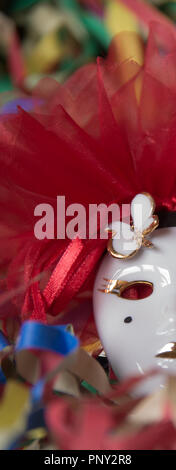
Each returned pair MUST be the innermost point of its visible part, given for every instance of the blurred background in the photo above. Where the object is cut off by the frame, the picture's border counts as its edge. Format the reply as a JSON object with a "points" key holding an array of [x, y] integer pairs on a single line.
{"points": [[41, 38]]}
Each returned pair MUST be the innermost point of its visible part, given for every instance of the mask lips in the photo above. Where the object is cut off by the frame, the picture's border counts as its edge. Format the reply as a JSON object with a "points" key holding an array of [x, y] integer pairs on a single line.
{"points": [[168, 351]]}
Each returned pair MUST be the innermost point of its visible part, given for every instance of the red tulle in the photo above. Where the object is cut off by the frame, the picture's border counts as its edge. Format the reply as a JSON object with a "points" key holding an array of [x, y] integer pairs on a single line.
{"points": [[108, 133]]}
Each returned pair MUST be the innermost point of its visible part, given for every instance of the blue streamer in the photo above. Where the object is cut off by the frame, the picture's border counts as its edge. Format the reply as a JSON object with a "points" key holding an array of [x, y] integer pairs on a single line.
{"points": [[37, 391], [3, 341], [2, 378], [3, 344], [36, 419], [35, 335]]}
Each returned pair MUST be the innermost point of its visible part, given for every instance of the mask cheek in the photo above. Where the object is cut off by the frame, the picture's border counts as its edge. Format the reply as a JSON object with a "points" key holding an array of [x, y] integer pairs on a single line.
{"points": [[110, 313], [106, 315]]}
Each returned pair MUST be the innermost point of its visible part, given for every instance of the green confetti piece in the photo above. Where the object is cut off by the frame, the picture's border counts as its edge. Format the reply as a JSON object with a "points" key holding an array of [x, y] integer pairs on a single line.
{"points": [[89, 387], [169, 9], [22, 4], [113, 382], [71, 5], [96, 28], [5, 84], [92, 23]]}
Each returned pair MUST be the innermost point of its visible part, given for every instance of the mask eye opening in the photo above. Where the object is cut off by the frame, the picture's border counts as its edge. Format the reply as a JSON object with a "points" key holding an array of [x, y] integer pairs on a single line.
{"points": [[130, 290], [136, 290]]}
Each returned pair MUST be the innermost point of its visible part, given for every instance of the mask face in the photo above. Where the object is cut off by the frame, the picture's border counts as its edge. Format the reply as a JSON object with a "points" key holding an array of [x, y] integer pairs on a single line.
{"points": [[135, 310]]}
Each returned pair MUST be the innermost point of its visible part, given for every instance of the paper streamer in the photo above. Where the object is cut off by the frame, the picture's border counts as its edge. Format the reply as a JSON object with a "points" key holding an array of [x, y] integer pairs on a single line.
{"points": [[14, 409], [36, 338], [72, 383]]}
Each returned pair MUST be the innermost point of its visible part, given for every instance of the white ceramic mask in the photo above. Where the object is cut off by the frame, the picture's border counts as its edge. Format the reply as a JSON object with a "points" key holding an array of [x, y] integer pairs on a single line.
{"points": [[139, 335]]}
